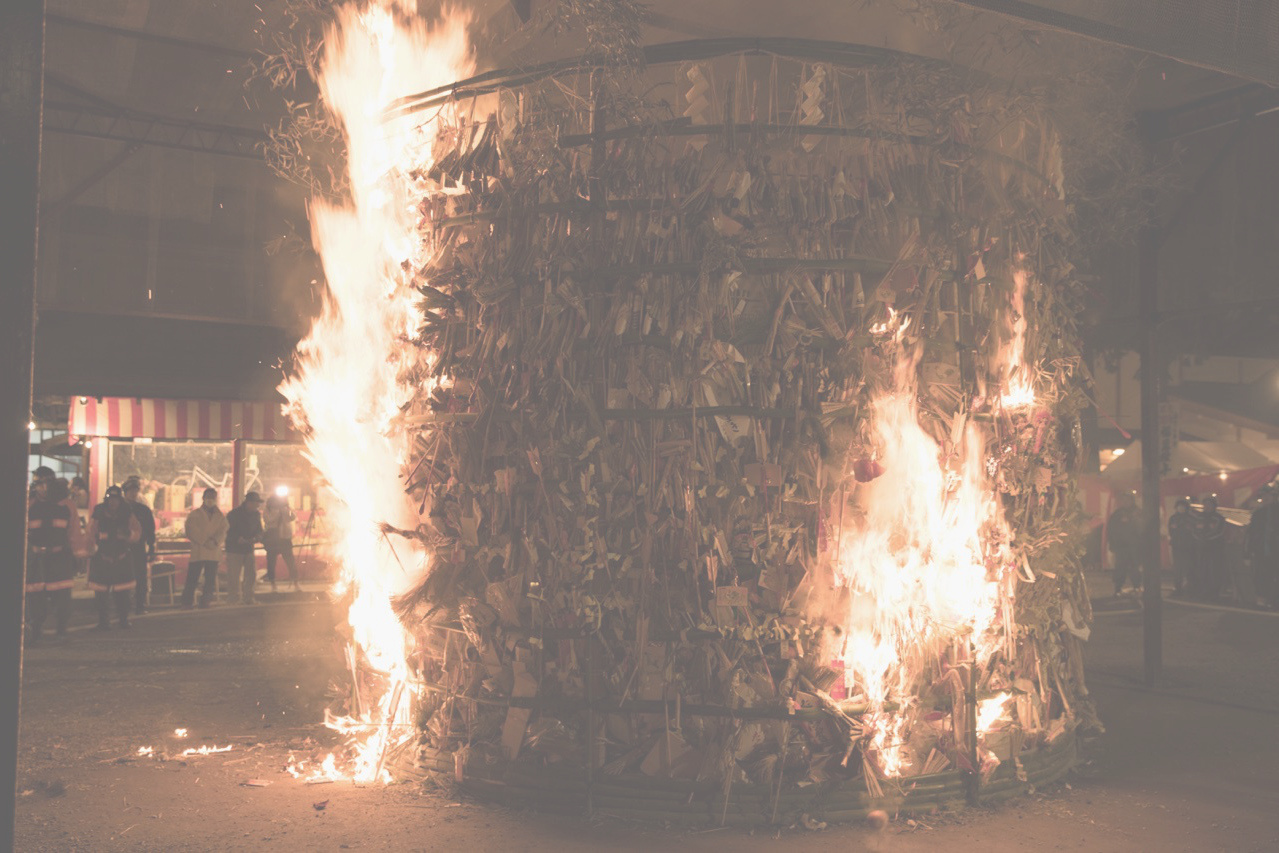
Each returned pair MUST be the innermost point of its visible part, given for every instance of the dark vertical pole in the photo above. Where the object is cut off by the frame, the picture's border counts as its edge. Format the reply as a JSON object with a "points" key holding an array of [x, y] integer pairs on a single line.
{"points": [[237, 471], [590, 726], [1152, 369], [21, 71]]}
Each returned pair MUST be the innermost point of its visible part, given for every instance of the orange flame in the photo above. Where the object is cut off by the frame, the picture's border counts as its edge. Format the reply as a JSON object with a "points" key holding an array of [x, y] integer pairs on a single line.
{"points": [[991, 711], [923, 561], [1019, 388], [354, 367]]}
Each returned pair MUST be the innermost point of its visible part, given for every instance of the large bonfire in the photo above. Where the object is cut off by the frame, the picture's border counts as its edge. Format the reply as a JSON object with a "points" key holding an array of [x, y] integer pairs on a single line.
{"points": [[714, 440]]}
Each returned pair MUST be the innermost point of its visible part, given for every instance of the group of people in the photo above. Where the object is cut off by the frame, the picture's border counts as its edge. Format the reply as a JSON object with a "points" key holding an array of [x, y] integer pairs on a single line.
{"points": [[1197, 540], [211, 533], [1203, 560], [119, 543]]}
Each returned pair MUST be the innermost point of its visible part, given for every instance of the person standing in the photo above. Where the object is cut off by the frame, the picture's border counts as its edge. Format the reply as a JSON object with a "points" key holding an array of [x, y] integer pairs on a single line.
{"points": [[50, 561], [43, 474], [1181, 541], [142, 552], [277, 538], [206, 529], [1263, 547], [1210, 556], [78, 500], [1123, 536], [112, 529], [243, 533]]}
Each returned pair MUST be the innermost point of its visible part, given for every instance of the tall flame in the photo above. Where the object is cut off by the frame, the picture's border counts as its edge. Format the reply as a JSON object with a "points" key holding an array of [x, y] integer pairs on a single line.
{"points": [[923, 560], [1019, 389], [355, 369]]}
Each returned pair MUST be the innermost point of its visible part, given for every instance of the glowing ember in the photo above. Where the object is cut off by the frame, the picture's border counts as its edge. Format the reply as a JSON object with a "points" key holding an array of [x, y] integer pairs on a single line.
{"points": [[179, 732], [146, 751], [354, 369], [207, 750]]}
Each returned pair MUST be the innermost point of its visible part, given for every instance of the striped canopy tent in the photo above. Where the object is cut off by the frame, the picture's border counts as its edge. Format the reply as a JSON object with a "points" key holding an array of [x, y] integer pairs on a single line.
{"points": [[205, 420], [126, 418]]}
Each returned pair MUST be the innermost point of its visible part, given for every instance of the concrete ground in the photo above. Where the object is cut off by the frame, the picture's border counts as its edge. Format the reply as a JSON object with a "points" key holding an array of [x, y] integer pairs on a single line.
{"points": [[1192, 766]]}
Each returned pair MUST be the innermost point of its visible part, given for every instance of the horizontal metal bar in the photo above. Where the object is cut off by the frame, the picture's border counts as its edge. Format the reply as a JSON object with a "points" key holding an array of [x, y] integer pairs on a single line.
{"points": [[144, 35], [813, 50], [148, 129]]}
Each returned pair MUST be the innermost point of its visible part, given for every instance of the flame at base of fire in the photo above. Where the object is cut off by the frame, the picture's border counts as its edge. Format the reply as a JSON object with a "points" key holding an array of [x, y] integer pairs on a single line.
{"points": [[919, 564], [354, 372]]}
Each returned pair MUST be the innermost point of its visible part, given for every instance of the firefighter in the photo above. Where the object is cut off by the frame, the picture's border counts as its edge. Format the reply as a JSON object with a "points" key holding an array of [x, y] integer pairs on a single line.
{"points": [[50, 562], [113, 529], [142, 551], [1182, 543], [1210, 561]]}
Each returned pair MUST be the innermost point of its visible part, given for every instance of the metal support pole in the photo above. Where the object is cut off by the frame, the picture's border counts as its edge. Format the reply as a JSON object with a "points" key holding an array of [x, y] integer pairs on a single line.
{"points": [[973, 782], [590, 726], [237, 471], [1152, 369], [21, 69]]}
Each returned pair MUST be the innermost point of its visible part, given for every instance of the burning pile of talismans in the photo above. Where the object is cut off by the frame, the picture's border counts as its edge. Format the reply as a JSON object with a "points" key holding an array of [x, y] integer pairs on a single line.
{"points": [[663, 301]]}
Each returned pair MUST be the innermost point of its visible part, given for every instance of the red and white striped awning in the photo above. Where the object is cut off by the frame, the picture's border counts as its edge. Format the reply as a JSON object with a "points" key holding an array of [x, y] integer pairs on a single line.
{"points": [[209, 420]]}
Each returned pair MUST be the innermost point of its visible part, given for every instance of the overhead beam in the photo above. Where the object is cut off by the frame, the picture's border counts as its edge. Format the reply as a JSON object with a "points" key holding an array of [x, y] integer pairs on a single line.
{"points": [[1232, 106], [1192, 49], [148, 129], [166, 355], [52, 209], [73, 88], [144, 35]]}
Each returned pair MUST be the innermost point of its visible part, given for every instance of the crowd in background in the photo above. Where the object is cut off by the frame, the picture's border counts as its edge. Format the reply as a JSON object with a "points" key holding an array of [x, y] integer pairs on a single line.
{"points": [[1211, 556], [233, 537], [116, 546]]}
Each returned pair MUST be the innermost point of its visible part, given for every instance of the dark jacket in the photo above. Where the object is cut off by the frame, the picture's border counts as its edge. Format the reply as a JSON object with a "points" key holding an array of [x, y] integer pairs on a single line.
{"points": [[50, 564], [244, 529], [49, 526], [146, 520], [1181, 532], [1210, 529], [114, 533], [1123, 530], [1263, 531]]}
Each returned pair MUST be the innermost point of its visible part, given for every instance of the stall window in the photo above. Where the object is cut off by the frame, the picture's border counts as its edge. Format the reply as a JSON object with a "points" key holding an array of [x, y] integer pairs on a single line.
{"points": [[174, 474], [281, 470]]}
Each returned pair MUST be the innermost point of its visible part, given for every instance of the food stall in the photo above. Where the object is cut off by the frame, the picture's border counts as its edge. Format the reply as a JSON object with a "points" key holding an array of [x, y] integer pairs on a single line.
{"points": [[178, 448]]}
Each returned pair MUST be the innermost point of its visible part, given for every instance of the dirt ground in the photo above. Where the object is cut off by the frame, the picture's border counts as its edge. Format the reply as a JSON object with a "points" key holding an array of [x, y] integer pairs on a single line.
{"points": [[1193, 766]]}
